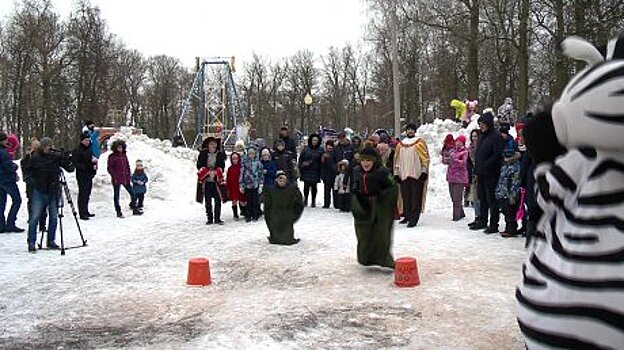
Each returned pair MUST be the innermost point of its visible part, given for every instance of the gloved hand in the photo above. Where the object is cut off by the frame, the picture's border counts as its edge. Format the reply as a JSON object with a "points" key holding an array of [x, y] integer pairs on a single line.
{"points": [[423, 177], [260, 189]]}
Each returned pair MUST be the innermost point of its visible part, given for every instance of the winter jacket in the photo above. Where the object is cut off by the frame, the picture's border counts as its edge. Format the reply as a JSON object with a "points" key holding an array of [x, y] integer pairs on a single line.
{"points": [[46, 169], [457, 172], [342, 183], [251, 176], [119, 168], [231, 180], [343, 152], [269, 169], [95, 141], [139, 179], [8, 169], [329, 167], [290, 145], [489, 154], [508, 187], [26, 172], [83, 161], [285, 161], [310, 162]]}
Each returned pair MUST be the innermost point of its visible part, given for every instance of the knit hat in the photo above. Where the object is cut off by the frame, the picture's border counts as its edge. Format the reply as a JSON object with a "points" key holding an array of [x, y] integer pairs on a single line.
{"points": [[46, 142], [461, 138], [504, 129], [265, 151], [487, 118], [411, 126], [84, 135], [88, 122], [369, 154], [280, 173], [3, 136]]}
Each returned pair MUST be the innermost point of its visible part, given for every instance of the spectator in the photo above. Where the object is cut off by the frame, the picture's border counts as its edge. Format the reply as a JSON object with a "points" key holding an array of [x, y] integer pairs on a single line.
{"points": [[8, 187]]}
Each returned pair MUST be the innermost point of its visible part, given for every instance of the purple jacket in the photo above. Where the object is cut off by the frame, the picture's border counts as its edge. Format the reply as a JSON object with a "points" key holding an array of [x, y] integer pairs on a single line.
{"points": [[119, 168], [457, 172]]}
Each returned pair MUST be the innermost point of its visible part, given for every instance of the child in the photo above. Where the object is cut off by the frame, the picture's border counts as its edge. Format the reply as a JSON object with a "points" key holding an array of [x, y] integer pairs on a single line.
{"points": [[139, 179], [250, 182], [231, 182], [457, 176], [342, 184], [269, 169], [119, 170], [508, 187], [472, 196], [211, 162], [328, 173], [374, 201], [283, 206], [449, 144]]}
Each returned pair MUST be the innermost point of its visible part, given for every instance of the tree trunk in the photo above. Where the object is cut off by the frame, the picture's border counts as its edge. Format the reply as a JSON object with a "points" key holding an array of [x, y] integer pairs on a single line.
{"points": [[561, 66], [523, 58], [473, 52]]}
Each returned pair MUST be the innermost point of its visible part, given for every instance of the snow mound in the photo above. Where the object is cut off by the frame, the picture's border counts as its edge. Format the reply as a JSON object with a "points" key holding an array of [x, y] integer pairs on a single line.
{"points": [[171, 170]]}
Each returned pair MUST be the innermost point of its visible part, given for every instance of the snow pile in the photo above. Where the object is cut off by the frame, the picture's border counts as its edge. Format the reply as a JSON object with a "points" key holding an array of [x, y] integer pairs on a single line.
{"points": [[434, 134], [171, 170]]}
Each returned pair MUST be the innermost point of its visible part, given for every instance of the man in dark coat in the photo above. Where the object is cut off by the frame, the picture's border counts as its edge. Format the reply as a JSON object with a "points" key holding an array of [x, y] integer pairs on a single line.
{"points": [[285, 160], [373, 202], [86, 165], [289, 142], [344, 149], [8, 187], [46, 169], [283, 206], [310, 167], [489, 157]]}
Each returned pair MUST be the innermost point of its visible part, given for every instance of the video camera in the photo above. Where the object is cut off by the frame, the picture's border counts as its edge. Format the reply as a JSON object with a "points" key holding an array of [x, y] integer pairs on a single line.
{"points": [[64, 158]]}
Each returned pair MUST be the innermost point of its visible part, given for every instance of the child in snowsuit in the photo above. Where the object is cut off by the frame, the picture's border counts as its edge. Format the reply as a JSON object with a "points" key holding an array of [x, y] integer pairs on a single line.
{"points": [[457, 176], [342, 185], [231, 182], [508, 188], [139, 181], [210, 163], [269, 169], [283, 206], [251, 181]]}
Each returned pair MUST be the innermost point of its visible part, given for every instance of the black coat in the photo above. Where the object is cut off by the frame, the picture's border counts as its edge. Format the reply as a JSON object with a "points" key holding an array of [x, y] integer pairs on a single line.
{"points": [[343, 152], [310, 162], [290, 144], [46, 169], [202, 160], [285, 161], [329, 167], [83, 161], [489, 155]]}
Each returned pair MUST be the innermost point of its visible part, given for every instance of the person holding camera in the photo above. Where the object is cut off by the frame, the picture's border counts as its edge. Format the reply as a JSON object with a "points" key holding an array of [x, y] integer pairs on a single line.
{"points": [[8, 187], [86, 166], [46, 167]]}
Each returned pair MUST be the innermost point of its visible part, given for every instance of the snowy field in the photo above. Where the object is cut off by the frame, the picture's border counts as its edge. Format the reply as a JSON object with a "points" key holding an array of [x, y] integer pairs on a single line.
{"points": [[126, 289]]}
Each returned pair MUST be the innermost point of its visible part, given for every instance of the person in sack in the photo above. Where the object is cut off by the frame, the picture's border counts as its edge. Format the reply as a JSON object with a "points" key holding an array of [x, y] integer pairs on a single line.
{"points": [[139, 182], [283, 206], [373, 203], [210, 163]]}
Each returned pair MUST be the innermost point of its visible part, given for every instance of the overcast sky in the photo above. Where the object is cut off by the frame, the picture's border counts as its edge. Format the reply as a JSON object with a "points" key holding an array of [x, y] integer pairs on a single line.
{"points": [[209, 28]]}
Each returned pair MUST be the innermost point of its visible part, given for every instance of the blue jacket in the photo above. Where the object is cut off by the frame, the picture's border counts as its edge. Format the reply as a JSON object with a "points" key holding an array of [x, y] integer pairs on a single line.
{"points": [[270, 169], [251, 176], [138, 183], [8, 169]]}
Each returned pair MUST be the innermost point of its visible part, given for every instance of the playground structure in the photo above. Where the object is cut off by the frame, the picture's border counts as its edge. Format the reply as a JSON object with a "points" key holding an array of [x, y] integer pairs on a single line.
{"points": [[219, 111]]}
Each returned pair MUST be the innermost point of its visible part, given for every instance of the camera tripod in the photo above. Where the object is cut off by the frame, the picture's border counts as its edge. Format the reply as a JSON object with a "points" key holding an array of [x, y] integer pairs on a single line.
{"points": [[60, 203]]}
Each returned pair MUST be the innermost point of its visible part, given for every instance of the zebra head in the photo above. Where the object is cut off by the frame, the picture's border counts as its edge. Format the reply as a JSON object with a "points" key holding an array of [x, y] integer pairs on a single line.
{"points": [[590, 110]]}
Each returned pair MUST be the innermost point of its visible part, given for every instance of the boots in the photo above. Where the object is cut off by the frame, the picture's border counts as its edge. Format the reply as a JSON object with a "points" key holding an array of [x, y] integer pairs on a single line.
{"points": [[414, 221], [243, 210], [137, 211], [235, 212]]}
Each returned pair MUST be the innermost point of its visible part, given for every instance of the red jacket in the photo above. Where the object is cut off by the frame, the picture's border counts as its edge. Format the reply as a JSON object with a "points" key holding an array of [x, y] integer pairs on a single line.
{"points": [[231, 182], [119, 168]]}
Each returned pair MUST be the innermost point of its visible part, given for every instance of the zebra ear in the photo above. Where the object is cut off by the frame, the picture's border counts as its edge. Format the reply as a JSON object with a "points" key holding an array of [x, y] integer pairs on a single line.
{"points": [[580, 49]]}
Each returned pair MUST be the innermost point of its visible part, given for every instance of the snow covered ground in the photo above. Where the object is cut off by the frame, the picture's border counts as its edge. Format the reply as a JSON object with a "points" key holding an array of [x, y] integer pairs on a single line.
{"points": [[126, 289]]}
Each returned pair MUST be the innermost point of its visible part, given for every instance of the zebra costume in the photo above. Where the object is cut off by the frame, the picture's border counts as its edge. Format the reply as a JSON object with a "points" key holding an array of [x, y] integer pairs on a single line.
{"points": [[571, 294]]}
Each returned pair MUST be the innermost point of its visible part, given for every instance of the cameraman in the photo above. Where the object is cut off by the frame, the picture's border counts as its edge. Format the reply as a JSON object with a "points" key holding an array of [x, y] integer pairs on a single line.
{"points": [[46, 170]]}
